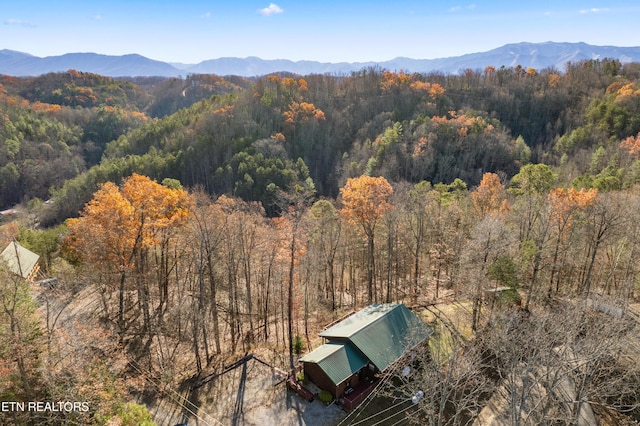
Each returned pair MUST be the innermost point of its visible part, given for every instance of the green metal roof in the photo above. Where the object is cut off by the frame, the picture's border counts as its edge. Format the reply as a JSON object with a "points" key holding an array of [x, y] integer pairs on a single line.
{"points": [[338, 360], [19, 260], [383, 333]]}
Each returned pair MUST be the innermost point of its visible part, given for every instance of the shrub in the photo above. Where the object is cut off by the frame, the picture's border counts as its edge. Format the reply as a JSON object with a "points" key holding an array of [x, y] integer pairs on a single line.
{"points": [[297, 344], [325, 397]]}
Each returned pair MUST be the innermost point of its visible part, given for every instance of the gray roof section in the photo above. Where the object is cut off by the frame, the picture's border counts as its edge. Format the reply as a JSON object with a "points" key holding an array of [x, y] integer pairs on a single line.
{"points": [[19, 260], [338, 360], [383, 333]]}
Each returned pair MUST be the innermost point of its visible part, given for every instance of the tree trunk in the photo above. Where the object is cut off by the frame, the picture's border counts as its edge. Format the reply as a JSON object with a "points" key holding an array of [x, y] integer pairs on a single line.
{"points": [[370, 269], [390, 254], [121, 325], [213, 301], [416, 266], [292, 254], [247, 279]]}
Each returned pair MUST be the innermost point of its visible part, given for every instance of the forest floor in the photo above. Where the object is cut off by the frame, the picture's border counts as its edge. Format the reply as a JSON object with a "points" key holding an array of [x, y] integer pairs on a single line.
{"points": [[255, 394], [250, 394]]}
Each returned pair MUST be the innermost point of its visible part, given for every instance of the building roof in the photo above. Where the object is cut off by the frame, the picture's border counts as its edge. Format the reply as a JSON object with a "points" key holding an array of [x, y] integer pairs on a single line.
{"points": [[339, 361], [19, 260], [383, 333]]}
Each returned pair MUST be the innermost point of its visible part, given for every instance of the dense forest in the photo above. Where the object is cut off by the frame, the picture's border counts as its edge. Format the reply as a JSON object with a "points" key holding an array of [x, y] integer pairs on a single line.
{"points": [[65, 134], [216, 215]]}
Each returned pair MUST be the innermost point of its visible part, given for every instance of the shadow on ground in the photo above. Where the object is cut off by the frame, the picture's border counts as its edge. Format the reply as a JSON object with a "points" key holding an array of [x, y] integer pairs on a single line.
{"points": [[252, 394]]}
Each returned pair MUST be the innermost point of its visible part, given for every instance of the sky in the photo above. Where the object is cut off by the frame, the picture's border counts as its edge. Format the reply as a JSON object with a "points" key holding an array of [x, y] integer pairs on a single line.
{"points": [[191, 31]]}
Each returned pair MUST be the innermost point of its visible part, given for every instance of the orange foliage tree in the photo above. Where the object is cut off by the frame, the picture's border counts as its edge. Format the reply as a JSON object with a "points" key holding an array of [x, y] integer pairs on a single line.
{"points": [[632, 145], [302, 112], [490, 202], [565, 204], [409, 89], [121, 223], [490, 196], [365, 201], [300, 120]]}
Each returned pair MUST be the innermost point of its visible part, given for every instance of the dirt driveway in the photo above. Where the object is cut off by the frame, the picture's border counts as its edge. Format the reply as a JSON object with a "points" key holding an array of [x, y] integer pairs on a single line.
{"points": [[251, 394]]}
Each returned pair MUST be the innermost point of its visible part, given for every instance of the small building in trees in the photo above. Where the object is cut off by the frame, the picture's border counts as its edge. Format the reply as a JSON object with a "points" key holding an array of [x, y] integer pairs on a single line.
{"points": [[503, 296], [360, 347], [20, 261]]}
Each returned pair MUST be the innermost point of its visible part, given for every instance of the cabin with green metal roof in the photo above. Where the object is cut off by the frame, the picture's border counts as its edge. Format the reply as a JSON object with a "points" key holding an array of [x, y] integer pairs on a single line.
{"points": [[334, 367], [361, 346]]}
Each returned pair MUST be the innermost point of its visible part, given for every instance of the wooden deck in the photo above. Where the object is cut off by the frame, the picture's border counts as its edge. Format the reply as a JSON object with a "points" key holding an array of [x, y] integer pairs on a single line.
{"points": [[354, 396], [293, 384]]}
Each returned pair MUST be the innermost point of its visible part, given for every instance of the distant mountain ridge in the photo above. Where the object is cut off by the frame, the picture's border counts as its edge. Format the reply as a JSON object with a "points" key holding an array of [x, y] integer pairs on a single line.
{"points": [[534, 55]]}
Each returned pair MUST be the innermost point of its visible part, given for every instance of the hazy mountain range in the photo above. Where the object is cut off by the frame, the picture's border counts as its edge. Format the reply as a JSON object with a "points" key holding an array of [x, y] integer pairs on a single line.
{"points": [[534, 55]]}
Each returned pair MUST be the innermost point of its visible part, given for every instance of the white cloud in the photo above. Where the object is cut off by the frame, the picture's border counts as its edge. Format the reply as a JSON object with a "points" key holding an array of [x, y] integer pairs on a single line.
{"points": [[18, 22], [206, 15], [97, 17], [594, 10], [459, 8], [272, 9]]}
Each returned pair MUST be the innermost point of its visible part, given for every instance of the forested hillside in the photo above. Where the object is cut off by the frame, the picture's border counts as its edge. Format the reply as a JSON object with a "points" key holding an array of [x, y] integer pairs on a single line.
{"points": [[214, 216], [57, 126], [241, 137]]}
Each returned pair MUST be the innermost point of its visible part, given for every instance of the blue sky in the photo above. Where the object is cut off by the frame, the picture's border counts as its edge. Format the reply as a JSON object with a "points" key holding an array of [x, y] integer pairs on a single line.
{"points": [[322, 30]]}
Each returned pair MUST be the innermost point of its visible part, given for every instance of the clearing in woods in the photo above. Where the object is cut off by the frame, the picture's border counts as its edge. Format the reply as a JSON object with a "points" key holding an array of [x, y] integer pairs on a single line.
{"points": [[248, 393]]}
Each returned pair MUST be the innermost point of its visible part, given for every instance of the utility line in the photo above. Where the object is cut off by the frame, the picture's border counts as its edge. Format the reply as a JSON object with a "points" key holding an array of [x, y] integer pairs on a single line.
{"points": [[133, 363], [398, 422], [368, 399], [390, 416], [380, 412]]}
